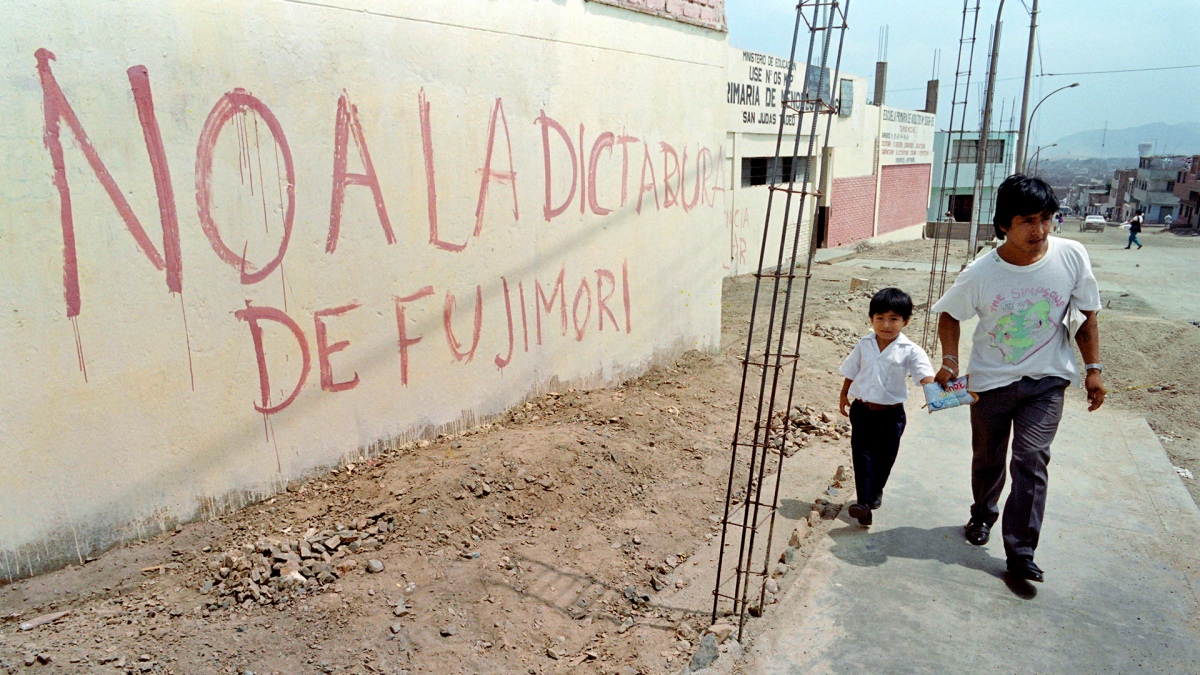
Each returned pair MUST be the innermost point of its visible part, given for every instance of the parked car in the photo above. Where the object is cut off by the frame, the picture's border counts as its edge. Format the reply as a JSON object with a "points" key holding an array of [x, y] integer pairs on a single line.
{"points": [[1092, 223]]}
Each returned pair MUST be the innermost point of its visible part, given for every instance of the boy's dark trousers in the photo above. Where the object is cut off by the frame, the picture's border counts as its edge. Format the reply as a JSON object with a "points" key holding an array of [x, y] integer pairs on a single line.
{"points": [[874, 442]]}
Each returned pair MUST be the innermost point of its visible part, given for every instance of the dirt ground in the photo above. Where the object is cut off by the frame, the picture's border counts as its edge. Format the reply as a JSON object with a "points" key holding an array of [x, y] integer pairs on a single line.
{"points": [[553, 539]]}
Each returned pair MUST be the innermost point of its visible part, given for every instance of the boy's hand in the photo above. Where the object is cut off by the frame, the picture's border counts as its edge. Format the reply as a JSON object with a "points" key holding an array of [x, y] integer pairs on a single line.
{"points": [[844, 405], [1095, 389]]}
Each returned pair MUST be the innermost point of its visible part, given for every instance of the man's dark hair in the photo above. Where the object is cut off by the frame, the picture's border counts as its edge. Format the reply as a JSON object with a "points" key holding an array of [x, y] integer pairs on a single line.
{"points": [[1021, 195], [891, 300]]}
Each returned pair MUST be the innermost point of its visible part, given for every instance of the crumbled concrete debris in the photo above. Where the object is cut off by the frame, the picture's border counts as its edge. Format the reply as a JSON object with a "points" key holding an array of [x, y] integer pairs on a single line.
{"points": [[797, 537], [43, 620], [721, 631], [706, 654], [275, 572]]}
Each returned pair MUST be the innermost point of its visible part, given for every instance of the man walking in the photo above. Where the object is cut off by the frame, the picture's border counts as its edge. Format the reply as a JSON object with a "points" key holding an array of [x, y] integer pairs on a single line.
{"points": [[1024, 293], [1135, 227]]}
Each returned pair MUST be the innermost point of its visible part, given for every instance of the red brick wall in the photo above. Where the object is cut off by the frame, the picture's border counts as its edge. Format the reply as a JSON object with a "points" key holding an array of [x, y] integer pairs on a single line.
{"points": [[707, 13], [903, 196], [851, 210]]}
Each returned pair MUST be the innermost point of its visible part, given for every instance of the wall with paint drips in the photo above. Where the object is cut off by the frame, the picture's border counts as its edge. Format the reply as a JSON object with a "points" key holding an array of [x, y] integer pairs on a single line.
{"points": [[243, 240]]}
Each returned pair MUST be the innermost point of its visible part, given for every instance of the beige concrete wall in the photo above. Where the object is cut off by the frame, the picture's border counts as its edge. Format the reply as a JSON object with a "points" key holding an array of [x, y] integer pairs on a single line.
{"points": [[707, 13], [754, 91], [300, 230], [862, 138]]}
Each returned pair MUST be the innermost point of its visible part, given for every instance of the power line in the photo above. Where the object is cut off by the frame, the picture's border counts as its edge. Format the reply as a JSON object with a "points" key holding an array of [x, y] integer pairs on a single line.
{"points": [[1082, 72], [1126, 70], [946, 84]]}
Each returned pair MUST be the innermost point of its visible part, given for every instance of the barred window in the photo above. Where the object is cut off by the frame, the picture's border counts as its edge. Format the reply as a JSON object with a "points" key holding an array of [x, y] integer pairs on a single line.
{"points": [[965, 151], [764, 170]]}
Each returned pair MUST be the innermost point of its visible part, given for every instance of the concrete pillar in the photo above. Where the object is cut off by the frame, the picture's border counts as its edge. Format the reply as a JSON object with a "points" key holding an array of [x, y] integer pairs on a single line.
{"points": [[931, 97], [880, 81]]}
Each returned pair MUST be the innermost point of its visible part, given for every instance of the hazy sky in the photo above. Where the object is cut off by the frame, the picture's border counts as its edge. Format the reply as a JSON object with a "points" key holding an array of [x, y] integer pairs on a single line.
{"points": [[1074, 36]]}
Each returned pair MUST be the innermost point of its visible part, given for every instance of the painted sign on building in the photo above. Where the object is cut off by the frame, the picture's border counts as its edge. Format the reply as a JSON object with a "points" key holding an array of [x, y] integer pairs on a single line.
{"points": [[906, 136], [754, 92]]}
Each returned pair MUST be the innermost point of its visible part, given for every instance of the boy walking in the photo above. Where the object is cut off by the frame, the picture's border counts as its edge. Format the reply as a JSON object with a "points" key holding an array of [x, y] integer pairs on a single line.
{"points": [[875, 376]]}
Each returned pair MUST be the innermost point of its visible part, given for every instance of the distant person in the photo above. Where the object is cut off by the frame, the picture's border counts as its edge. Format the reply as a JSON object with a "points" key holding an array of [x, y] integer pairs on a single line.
{"points": [[1168, 220], [875, 376], [1135, 227], [948, 217], [1058, 222], [1021, 361]]}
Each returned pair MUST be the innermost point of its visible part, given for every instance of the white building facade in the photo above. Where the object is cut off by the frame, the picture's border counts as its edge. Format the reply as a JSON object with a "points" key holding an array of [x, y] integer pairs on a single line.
{"points": [[873, 183]]}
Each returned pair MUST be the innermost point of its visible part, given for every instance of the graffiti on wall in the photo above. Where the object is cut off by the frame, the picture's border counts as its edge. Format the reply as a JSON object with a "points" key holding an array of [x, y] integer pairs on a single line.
{"points": [[596, 172]]}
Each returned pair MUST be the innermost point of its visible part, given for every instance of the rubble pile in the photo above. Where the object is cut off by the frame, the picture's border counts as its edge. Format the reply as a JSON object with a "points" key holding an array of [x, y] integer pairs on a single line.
{"points": [[806, 423], [276, 572], [837, 334]]}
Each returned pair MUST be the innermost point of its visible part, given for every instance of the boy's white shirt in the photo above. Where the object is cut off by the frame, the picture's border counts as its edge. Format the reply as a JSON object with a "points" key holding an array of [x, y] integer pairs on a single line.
{"points": [[878, 377], [1025, 313]]}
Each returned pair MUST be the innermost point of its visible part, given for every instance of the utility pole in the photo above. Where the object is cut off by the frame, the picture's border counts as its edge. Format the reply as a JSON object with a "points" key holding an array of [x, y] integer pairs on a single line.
{"points": [[1021, 134], [984, 128]]}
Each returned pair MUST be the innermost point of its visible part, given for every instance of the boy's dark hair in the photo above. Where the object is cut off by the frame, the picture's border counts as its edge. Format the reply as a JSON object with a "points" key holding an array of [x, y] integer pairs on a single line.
{"points": [[891, 300], [1021, 195]]}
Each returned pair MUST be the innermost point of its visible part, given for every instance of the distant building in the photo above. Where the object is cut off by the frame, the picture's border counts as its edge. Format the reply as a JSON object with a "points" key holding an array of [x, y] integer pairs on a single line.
{"points": [[1153, 188], [1090, 199], [1122, 183], [958, 193], [1187, 188]]}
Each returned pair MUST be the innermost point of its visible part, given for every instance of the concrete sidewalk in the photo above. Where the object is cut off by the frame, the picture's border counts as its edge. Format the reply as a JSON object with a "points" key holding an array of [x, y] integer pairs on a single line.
{"points": [[910, 595]]}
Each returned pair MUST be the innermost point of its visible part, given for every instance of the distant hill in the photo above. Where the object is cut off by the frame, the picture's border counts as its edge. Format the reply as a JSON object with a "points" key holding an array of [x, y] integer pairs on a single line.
{"points": [[1168, 139]]}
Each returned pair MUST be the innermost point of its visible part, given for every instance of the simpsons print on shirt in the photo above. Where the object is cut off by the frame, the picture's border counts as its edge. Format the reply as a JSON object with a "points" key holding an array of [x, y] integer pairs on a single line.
{"points": [[1026, 323]]}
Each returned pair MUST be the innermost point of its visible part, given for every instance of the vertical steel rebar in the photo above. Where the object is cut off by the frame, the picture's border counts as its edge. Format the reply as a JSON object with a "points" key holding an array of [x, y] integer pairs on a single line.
{"points": [[937, 273], [773, 356], [812, 247], [749, 341]]}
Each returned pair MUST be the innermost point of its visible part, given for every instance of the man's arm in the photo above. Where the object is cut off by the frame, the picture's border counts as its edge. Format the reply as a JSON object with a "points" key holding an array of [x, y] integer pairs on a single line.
{"points": [[948, 334], [1088, 339]]}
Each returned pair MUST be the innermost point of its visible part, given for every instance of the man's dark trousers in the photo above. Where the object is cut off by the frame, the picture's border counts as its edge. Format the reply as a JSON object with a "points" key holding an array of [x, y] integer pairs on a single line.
{"points": [[1030, 411], [874, 442]]}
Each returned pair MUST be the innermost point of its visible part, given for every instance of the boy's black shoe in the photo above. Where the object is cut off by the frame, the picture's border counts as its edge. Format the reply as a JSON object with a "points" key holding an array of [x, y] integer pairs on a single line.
{"points": [[861, 512], [1023, 567], [978, 532], [878, 501]]}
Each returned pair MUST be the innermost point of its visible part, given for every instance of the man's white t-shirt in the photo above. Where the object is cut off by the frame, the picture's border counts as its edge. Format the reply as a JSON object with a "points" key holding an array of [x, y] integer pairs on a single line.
{"points": [[1021, 311], [878, 377]]}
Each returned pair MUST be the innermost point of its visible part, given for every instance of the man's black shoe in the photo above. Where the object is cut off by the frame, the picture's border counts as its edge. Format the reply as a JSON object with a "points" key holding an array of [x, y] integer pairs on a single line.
{"points": [[1025, 568], [878, 502], [978, 532], [861, 512]]}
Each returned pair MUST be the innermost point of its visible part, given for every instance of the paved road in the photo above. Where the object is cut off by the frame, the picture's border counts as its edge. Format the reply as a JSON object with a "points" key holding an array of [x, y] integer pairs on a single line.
{"points": [[909, 595], [1162, 275]]}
